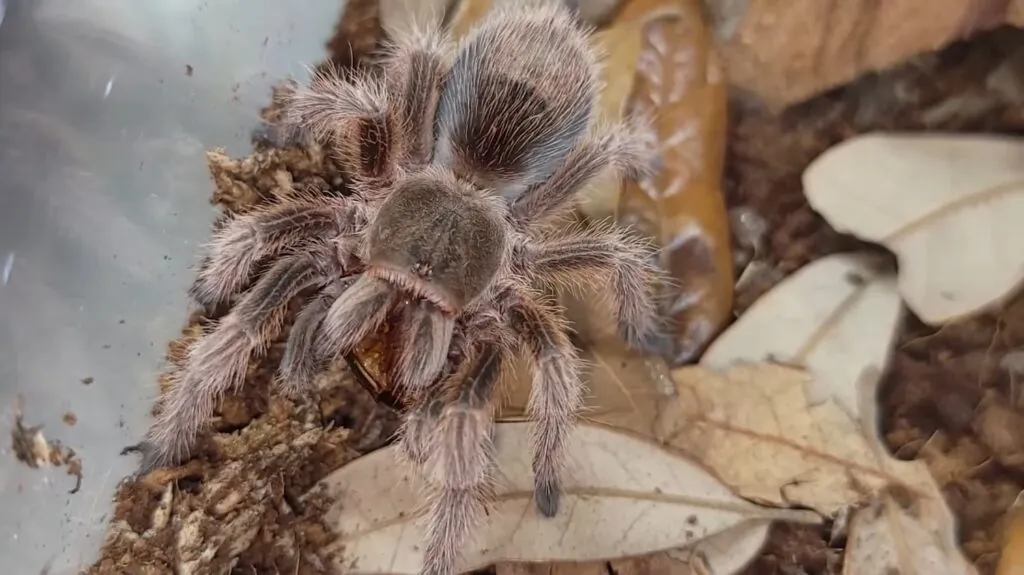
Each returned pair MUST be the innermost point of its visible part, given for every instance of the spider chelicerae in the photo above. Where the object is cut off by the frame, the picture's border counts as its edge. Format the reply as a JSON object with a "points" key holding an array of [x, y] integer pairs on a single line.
{"points": [[461, 158]]}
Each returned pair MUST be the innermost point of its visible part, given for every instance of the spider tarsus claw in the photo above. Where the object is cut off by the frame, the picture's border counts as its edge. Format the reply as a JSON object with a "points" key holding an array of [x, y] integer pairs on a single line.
{"points": [[547, 497], [273, 135], [130, 449], [150, 457]]}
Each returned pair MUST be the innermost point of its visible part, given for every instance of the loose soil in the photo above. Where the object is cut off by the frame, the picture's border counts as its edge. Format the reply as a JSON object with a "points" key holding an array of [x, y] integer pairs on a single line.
{"points": [[30, 446], [951, 398]]}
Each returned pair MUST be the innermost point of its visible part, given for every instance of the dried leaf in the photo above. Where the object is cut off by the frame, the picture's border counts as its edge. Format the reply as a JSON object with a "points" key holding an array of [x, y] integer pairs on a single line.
{"points": [[841, 315], [621, 44], [1000, 428], [886, 538], [779, 434], [680, 85], [1011, 559], [592, 568], [727, 552], [786, 52], [624, 496], [949, 206], [754, 427]]}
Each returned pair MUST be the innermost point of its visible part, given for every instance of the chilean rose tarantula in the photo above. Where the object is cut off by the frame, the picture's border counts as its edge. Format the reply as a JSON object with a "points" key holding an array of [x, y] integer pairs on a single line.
{"points": [[460, 161]]}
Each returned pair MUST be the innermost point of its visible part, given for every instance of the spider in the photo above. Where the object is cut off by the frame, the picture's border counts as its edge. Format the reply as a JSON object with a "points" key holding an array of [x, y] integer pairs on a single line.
{"points": [[462, 158]]}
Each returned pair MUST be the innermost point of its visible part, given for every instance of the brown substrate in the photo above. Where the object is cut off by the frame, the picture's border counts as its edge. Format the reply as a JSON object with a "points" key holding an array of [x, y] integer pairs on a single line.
{"points": [[946, 399], [239, 507]]}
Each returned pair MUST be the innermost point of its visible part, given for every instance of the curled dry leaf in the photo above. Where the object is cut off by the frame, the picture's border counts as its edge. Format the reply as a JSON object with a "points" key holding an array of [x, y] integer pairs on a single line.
{"points": [[624, 496], [841, 315], [949, 206], [890, 536], [1011, 559], [680, 86], [755, 428]]}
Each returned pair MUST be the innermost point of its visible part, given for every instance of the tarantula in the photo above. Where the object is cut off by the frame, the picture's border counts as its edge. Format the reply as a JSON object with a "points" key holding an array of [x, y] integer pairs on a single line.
{"points": [[459, 162]]}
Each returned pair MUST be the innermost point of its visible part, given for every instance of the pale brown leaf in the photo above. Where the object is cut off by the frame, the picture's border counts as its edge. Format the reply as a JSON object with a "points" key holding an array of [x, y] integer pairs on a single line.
{"points": [[754, 427], [840, 315], [949, 206], [624, 496]]}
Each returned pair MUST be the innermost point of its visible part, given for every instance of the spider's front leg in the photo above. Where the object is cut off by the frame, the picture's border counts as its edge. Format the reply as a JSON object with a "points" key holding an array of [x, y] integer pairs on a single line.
{"points": [[451, 435], [423, 340], [300, 362], [217, 362]]}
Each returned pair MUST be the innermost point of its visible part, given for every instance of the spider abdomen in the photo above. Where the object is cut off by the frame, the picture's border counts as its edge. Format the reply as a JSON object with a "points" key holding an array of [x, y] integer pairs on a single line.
{"points": [[442, 242], [519, 95]]}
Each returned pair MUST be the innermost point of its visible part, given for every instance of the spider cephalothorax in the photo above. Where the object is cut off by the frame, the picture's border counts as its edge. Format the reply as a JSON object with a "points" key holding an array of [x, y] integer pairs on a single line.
{"points": [[459, 164]]}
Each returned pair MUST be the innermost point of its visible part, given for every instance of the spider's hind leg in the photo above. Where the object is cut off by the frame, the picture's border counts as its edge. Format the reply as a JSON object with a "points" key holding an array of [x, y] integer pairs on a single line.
{"points": [[352, 114], [624, 262], [415, 64], [627, 148]]}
